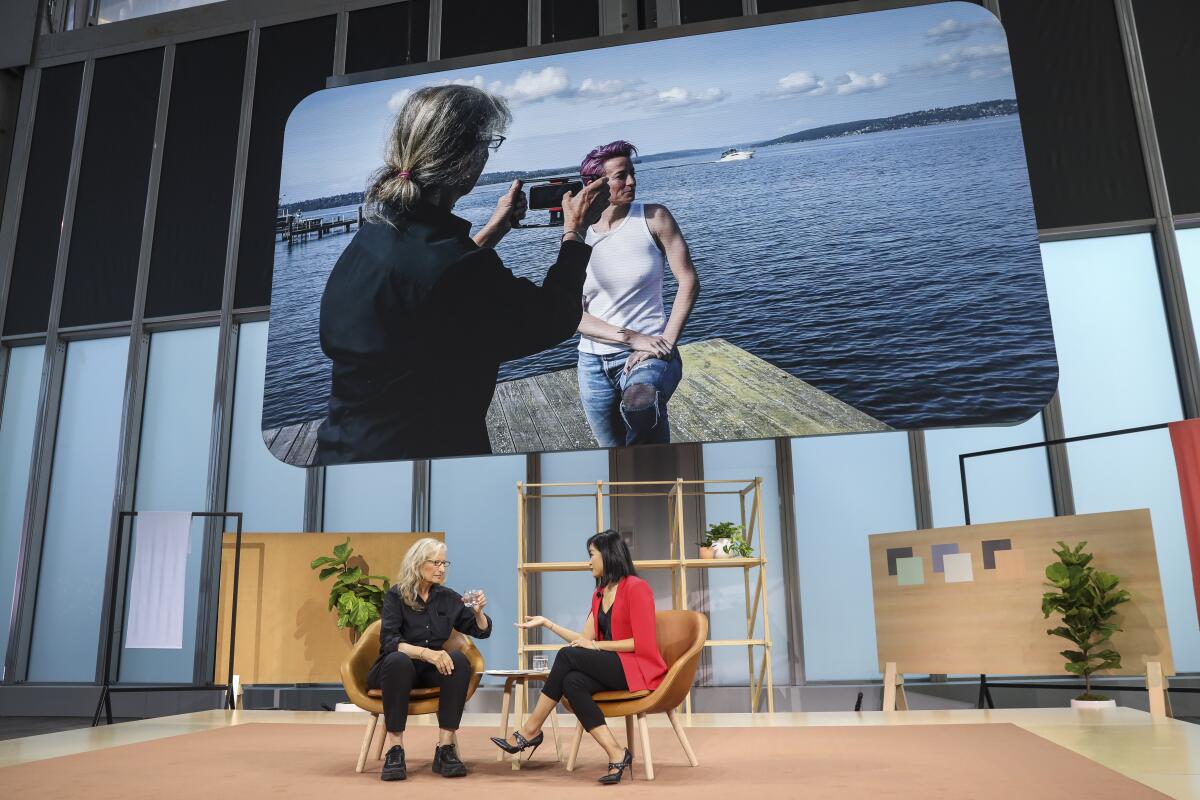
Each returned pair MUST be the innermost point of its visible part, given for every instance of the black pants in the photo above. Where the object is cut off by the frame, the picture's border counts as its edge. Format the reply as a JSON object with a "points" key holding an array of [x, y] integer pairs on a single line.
{"points": [[578, 672], [397, 675]]}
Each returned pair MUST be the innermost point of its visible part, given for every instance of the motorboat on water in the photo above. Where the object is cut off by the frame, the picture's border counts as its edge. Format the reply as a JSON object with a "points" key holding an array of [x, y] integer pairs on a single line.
{"points": [[733, 154]]}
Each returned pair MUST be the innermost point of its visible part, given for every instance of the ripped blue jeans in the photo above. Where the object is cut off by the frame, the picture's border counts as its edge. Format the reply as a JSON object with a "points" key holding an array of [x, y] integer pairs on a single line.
{"points": [[615, 423]]}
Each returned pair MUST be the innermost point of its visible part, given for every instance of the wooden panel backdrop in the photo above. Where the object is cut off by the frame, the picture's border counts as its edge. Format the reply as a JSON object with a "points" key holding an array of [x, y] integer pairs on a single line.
{"points": [[285, 632], [993, 624]]}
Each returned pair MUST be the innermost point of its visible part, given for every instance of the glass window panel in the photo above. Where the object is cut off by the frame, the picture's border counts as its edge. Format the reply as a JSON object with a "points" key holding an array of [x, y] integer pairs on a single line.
{"points": [[43, 199], [386, 36], [120, 10], [847, 487], [1189, 254], [726, 587], [570, 19], [470, 27], [369, 497], [172, 474], [1116, 371], [703, 10], [293, 62], [1004, 486], [18, 417], [566, 525], [106, 236], [191, 227], [1170, 47], [1081, 139], [269, 493], [70, 592], [473, 501]]}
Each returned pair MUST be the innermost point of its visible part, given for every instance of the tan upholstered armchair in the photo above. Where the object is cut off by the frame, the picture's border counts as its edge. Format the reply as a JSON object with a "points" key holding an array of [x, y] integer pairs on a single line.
{"points": [[681, 636], [423, 701]]}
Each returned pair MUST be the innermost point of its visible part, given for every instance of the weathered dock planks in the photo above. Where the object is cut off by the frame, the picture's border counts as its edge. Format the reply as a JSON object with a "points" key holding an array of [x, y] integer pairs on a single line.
{"points": [[726, 393]]}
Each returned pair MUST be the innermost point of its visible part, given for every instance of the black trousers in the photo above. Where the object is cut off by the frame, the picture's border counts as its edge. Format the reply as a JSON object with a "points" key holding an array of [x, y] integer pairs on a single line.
{"points": [[578, 672], [397, 675]]}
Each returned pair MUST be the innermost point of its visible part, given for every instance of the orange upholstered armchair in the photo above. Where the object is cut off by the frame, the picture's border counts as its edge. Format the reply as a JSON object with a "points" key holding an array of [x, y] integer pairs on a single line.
{"points": [[681, 636], [423, 701]]}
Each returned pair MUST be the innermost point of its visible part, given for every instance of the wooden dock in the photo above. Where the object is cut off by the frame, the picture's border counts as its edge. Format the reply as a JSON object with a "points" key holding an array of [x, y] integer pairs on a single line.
{"points": [[298, 230], [726, 394]]}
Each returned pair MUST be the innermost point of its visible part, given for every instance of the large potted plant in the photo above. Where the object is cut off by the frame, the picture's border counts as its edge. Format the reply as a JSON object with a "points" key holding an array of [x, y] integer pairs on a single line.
{"points": [[1087, 599], [725, 540], [358, 601]]}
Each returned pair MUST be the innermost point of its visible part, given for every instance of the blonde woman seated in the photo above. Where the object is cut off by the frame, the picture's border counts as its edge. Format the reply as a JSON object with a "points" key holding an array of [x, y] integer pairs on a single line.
{"points": [[419, 613], [617, 650]]}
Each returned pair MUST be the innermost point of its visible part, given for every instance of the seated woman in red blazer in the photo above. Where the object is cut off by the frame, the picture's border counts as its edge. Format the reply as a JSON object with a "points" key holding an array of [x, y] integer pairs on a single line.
{"points": [[617, 650]]}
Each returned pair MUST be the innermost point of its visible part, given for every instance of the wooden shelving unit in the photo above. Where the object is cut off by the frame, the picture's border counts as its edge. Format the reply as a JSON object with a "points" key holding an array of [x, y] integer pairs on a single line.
{"points": [[749, 492]]}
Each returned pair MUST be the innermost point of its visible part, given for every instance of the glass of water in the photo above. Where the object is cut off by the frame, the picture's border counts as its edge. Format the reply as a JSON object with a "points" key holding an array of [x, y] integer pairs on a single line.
{"points": [[471, 598], [541, 664]]}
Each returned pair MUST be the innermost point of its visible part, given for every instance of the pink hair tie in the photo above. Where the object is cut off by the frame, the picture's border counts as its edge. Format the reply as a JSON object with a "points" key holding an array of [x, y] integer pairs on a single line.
{"points": [[405, 174]]}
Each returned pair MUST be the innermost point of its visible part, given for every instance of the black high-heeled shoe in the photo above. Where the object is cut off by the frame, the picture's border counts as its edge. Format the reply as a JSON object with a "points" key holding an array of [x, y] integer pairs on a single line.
{"points": [[521, 744], [620, 767]]}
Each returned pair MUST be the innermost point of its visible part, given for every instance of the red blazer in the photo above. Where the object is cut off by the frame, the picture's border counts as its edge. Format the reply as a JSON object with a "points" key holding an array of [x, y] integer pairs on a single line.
{"points": [[633, 618]]}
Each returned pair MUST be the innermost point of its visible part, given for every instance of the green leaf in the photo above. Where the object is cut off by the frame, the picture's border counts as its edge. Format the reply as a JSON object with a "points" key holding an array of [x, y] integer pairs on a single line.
{"points": [[342, 551], [1058, 575], [316, 562], [325, 573]]}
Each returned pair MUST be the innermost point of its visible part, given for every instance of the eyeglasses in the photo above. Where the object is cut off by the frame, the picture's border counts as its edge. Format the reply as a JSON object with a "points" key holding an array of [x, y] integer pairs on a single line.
{"points": [[493, 142], [445, 564]]}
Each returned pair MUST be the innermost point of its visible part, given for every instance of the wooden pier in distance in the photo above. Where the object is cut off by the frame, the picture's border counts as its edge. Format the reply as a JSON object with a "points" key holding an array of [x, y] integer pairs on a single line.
{"points": [[298, 230], [726, 394]]}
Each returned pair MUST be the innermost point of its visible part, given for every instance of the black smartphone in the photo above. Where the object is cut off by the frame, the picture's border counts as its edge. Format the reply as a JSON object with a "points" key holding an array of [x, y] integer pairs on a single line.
{"points": [[550, 194]]}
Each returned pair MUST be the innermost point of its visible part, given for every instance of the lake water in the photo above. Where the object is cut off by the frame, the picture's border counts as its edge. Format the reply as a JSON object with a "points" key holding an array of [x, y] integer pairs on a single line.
{"points": [[898, 271]]}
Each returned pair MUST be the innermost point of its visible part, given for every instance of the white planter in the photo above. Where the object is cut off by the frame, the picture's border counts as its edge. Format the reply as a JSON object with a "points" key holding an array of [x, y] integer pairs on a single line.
{"points": [[347, 707], [1093, 705], [720, 548]]}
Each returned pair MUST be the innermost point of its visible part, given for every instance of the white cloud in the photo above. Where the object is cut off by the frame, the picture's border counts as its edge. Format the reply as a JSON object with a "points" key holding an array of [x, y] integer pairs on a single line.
{"points": [[977, 60], [952, 30], [396, 101], [799, 83], [678, 97], [532, 87], [854, 82]]}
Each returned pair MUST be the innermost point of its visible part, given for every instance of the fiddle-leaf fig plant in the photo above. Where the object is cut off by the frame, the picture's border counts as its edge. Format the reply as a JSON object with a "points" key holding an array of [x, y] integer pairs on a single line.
{"points": [[357, 599], [1087, 599]]}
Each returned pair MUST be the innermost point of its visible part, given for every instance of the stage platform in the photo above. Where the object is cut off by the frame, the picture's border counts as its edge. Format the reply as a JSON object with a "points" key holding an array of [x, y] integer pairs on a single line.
{"points": [[818, 754]]}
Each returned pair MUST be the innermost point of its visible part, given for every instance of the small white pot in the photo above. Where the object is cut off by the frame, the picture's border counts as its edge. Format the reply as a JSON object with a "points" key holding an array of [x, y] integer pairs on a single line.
{"points": [[346, 707], [1093, 705], [721, 548]]}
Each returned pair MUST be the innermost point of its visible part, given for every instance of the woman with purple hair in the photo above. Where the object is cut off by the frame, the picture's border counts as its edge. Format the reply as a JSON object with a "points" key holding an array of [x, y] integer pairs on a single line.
{"points": [[629, 365]]}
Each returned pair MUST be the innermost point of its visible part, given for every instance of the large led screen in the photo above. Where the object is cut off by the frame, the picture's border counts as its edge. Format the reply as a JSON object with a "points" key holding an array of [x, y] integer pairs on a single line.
{"points": [[805, 228]]}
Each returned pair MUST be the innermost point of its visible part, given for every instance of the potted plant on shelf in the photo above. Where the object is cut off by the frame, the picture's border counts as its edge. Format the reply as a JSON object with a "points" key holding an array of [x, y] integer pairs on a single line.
{"points": [[1087, 599], [357, 599], [725, 540]]}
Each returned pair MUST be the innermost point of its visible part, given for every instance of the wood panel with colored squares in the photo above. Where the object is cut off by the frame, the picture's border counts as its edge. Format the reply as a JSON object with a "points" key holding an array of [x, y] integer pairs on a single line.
{"points": [[967, 600]]}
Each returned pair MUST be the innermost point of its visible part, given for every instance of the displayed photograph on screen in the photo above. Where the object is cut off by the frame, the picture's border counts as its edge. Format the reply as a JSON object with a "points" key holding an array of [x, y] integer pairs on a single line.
{"points": [[807, 228]]}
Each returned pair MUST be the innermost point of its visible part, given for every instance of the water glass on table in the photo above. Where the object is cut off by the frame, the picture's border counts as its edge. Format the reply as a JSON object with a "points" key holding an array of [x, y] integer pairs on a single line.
{"points": [[541, 664]]}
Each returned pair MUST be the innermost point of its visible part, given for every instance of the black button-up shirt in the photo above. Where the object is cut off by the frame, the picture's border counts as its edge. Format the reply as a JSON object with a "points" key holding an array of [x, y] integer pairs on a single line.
{"points": [[417, 319], [429, 627]]}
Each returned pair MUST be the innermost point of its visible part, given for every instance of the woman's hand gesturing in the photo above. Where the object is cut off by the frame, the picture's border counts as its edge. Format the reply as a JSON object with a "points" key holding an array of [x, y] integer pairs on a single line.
{"points": [[533, 622]]}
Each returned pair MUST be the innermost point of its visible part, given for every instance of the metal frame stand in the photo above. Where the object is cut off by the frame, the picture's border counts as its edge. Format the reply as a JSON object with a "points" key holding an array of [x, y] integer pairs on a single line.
{"points": [[107, 688]]}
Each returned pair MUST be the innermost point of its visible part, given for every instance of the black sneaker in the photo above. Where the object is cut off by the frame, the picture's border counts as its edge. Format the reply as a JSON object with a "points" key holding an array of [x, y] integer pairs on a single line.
{"points": [[393, 765], [447, 763]]}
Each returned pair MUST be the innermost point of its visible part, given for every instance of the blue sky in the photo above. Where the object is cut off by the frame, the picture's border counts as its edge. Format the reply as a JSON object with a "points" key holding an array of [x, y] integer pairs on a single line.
{"points": [[714, 90]]}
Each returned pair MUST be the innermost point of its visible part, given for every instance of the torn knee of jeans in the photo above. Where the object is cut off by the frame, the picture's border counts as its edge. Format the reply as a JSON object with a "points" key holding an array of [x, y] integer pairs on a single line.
{"points": [[639, 397]]}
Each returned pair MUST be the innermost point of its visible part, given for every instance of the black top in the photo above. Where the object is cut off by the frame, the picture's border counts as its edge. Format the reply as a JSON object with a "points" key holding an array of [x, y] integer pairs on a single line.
{"points": [[417, 320], [604, 622], [429, 627]]}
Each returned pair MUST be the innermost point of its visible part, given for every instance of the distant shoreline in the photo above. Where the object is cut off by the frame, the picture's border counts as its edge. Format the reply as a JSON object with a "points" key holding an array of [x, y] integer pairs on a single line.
{"points": [[914, 119]]}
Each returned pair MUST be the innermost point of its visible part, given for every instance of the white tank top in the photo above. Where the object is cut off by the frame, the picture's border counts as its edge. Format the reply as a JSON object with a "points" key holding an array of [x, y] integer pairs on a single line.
{"points": [[624, 285]]}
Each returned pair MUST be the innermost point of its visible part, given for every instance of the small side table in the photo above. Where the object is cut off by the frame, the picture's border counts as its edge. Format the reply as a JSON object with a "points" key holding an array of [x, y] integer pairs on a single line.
{"points": [[522, 678]]}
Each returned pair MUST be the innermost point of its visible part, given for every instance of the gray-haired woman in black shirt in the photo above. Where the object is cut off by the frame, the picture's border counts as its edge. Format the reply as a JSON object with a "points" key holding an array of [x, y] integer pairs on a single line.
{"points": [[419, 614]]}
